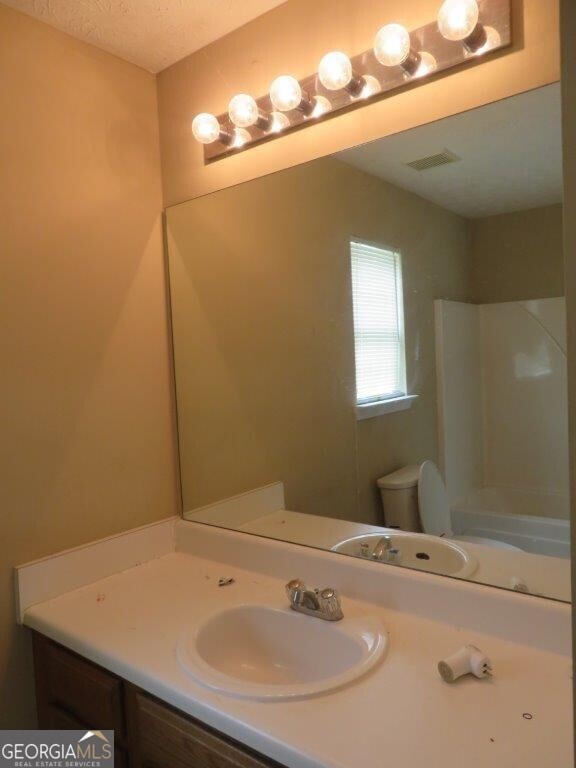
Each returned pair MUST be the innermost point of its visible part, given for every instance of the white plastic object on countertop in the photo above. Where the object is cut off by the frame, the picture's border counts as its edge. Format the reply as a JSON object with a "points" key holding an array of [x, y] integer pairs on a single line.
{"points": [[466, 661]]}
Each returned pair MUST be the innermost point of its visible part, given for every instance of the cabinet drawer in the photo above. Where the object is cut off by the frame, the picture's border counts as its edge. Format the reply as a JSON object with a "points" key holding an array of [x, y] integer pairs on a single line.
{"points": [[75, 686], [170, 740], [59, 720]]}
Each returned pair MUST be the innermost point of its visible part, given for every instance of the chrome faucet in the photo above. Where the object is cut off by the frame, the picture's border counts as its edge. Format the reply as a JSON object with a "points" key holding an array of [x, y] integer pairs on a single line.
{"points": [[385, 551], [324, 604], [383, 546]]}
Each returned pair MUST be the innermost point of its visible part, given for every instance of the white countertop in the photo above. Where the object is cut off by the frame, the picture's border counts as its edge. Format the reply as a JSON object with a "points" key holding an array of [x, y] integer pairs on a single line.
{"points": [[399, 714]]}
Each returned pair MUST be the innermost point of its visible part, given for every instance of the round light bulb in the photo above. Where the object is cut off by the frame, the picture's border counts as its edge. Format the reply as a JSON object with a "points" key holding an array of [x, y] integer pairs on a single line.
{"points": [[392, 45], [285, 93], [457, 19], [335, 71], [493, 40], [278, 121], [243, 110], [205, 128], [427, 64]]}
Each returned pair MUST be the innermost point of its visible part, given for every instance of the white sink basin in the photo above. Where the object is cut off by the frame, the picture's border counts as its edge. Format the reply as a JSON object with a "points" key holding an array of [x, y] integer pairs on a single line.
{"points": [[417, 550], [265, 653]]}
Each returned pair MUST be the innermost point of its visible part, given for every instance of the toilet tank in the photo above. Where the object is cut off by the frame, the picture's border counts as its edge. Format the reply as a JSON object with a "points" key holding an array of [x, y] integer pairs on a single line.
{"points": [[399, 493]]}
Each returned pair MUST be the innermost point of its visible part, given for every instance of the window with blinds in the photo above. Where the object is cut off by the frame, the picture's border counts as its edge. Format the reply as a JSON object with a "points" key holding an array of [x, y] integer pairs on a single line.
{"points": [[378, 323]]}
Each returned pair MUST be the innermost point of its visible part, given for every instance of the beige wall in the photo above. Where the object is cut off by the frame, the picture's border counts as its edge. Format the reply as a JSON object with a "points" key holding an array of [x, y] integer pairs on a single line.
{"points": [[264, 346], [85, 401], [293, 37], [517, 256], [569, 134]]}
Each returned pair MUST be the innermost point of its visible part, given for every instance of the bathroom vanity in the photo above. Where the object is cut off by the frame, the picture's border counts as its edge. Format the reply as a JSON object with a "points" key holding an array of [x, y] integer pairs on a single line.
{"points": [[109, 620], [73, 694]]}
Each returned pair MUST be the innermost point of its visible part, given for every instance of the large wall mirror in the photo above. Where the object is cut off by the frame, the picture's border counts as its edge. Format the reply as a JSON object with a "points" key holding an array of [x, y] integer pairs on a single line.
{"points": [[370, 350]]}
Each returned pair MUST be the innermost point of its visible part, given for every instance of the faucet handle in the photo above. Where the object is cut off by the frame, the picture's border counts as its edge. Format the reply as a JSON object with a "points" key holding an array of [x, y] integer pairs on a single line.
{"points": [[393, 557], [330, 603], [294, 586]]}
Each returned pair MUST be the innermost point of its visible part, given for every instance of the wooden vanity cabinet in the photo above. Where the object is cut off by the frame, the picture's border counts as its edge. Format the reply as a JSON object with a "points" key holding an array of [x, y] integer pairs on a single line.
{"points": [[167, 738], [73, 693]]}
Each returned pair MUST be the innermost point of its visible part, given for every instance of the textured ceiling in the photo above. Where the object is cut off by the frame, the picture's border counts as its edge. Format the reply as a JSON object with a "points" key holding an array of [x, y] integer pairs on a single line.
{"points": [[150, 33], [511, 156]]}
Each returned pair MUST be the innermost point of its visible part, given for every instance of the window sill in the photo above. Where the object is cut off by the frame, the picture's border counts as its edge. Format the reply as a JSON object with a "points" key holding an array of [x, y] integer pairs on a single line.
{"points": [[371, 410]]}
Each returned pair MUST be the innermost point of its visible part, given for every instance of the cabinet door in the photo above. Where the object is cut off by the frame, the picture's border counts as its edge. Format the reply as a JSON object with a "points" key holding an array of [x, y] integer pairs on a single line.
{"points": [[69, 685], [167, 739]]}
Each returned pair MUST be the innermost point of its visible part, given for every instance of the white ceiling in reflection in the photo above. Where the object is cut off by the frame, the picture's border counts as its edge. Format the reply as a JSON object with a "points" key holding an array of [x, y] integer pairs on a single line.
{"points": [[511, 156]]}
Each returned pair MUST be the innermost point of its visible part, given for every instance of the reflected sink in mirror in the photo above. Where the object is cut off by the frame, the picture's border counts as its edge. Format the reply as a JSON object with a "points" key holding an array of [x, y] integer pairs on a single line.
{"points": [[425, 553], [265, 653]]}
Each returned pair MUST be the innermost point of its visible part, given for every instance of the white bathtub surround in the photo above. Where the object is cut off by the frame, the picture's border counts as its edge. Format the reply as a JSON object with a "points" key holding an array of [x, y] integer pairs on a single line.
{"points": [[530, 507], [511, 515], [460, 396], [502, 389], [525, 396], [131, 622]]}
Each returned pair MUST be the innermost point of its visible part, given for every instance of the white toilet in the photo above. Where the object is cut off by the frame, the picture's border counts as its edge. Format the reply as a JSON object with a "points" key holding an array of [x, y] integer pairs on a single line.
{"points": [[414, 499]]}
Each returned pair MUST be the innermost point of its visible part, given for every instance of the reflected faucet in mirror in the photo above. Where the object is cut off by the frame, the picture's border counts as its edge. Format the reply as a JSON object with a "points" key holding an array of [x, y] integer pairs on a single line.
{"points": [[385, 551]]}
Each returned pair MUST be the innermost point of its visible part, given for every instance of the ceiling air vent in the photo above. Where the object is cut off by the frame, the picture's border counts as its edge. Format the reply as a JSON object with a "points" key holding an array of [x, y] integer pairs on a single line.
{"points": [[433, 161]]}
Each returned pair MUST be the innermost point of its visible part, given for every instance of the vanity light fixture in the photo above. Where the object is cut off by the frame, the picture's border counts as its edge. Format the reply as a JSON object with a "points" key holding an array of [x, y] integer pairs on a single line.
{"points": [[240, 137], [458, 20], [493, 41], [371, 87], [278, 122], [426, 65], [464, 30], [322, 105]]}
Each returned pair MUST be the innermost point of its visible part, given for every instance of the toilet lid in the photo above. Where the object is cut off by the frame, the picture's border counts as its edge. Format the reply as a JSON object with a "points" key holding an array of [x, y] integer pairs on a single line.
{"points": [[433, 502]]}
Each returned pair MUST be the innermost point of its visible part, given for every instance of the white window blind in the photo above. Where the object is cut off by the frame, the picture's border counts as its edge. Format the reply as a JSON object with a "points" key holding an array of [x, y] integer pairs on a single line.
{"points": [[378, 323]]}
